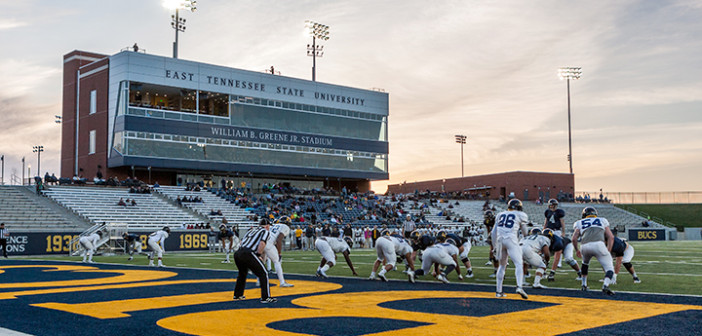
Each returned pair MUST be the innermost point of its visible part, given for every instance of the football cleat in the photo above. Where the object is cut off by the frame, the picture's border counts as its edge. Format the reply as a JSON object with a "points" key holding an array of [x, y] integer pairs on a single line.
{"points": [[460, 277], [410, 275], [583, 288], [321, 273], [151, 263], [637, 280], [226, 262], [442, 278], [269, 300], [382, 277], [285, 284], [551, 278], [488, 263], [239, 298], [500, 294], [527, 275], [579, 278], [538, 285], [607, 291], [493, 275], [521, 292], [469, 274], [130, 259], [161, 265]]}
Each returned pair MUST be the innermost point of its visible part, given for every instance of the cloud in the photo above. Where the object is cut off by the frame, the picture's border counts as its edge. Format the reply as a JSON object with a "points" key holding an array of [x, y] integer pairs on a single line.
{"points": [[7, 24]]}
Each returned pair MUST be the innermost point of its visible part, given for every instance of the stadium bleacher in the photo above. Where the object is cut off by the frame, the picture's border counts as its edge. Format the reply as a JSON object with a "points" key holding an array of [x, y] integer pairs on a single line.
{"points": [[99, 204], [210, 201], [19, 209]]}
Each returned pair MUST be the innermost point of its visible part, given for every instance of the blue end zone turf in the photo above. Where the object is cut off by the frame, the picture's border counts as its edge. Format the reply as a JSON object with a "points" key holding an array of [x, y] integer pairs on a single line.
{"points": [[465, 307], [348, 326]]}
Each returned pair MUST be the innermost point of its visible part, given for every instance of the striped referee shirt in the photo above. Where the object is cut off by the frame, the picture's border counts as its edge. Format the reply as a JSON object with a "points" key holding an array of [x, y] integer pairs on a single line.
{"points": [[254, 237], [4, 233]]}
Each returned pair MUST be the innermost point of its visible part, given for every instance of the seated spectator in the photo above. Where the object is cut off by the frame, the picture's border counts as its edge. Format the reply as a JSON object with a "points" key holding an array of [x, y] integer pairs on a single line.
{"points": [[133, 202], [121, 202], [156, 185]]}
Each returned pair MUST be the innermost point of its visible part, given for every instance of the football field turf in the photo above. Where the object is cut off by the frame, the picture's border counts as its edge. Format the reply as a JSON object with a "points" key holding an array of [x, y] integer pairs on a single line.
{"points": [[61, 296]]}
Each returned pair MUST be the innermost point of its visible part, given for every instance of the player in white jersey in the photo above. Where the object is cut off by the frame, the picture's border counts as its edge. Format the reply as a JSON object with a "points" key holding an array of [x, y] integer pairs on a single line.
{"points": [[533, 247], [388, 248], [434, 255], [156, 242], [89, 244], [594, 231], [505, 242], [328, 247], [274, 248]]}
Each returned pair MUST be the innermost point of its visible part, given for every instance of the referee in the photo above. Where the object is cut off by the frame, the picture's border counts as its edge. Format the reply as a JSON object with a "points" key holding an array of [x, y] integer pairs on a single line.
{"points": [[4, 234], [248, 257]]}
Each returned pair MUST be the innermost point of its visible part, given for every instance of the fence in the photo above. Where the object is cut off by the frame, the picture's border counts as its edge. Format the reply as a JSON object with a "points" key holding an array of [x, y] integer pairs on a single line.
{"points": [[664, 197]]}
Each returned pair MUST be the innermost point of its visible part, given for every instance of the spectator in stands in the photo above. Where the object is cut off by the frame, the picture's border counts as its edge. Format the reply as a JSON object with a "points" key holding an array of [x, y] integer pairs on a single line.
{"points": [[121, 202], [156, 185], [134, 203]]}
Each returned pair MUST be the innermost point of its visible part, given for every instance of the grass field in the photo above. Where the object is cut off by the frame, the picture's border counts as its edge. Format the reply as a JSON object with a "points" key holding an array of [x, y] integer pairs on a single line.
{"points": [[685, 215], [664, 267]]}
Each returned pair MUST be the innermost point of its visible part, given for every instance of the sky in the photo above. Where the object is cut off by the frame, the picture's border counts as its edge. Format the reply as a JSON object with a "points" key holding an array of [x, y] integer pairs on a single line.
{"points": [[485, 69]]}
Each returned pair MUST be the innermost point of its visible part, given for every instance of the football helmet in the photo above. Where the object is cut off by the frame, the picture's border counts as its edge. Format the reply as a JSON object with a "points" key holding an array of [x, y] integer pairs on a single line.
{"points": [[425, 241], [589, 212], [452, 242], [414, 235], [348, 241], [385, 232], [167, 229], [489, 214], [548, 233], [441, 235], [515, 204], [534, 231], [553, 203], [99, 233], [222, 227]]}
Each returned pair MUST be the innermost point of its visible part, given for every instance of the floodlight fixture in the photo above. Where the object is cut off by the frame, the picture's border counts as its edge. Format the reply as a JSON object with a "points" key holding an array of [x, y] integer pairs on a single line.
{"points": [[461, 139], [569, 73], [178, 23], [316, 31]]}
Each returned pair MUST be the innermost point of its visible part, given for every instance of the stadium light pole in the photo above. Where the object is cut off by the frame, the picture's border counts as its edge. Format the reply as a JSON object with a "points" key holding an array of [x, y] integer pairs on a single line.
{"points": [[569, 73], [317, 31], [2, 181], [23, 170], [177, 22], [38, 150], [461, 139]]}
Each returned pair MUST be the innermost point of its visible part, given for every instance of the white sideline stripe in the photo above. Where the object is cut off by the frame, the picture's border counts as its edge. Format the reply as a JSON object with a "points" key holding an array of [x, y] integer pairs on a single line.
{"points": [[9, 332]]}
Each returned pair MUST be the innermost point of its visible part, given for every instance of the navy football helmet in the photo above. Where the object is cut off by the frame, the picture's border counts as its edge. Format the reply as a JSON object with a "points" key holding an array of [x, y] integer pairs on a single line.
{"points": [[414, 235], [548, 233], [489, 214], [589, 212], [426, 241], [441, 235], [515, 204], [167, 229], [553, 203]]}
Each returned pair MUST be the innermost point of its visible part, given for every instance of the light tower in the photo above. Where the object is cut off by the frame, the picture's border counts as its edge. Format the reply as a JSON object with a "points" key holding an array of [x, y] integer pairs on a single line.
{"points": [[317, 31], [38, 150], [461, 139], [177, 22], [569, 73]]}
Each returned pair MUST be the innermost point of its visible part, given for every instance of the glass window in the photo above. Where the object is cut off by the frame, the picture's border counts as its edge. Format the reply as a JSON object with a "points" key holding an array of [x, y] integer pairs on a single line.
{"points": [[93, 101], [92, 142], [214, 103], [162, 97]]}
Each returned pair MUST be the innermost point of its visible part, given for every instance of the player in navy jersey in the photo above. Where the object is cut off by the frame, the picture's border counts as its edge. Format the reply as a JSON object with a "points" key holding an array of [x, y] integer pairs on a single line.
{"points": [[489, 221], [555, 221], [565, 246], [623, 252]]}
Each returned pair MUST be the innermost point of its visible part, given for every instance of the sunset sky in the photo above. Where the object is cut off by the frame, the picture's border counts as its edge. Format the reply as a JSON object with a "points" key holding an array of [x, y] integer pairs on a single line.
{"points": [[486, 69]]}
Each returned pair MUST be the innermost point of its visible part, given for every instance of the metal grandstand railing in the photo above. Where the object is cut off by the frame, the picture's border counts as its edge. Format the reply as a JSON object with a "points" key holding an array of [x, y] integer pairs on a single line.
{"points": [[663, 197]]}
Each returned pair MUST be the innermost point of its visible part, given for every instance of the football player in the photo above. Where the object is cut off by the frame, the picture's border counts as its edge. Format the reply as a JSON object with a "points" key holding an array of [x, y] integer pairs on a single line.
{"points": [[89, 244], [156, 242], [565, 246], [594, 232], [274, 249], [226, 240], [554, 221], [434, 255], [536, 253], [131, 243], [623, 252], [388, 249], [506, 244], [489, 221], [328, 247], [463, 246]]}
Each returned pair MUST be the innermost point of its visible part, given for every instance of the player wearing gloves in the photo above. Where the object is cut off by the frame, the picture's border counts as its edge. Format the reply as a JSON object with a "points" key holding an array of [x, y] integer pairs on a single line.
{"points": [[156, 242]]}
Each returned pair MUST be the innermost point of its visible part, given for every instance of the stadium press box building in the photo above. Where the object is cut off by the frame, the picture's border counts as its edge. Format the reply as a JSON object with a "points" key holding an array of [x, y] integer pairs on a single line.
{"points": [[176, 120]]}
